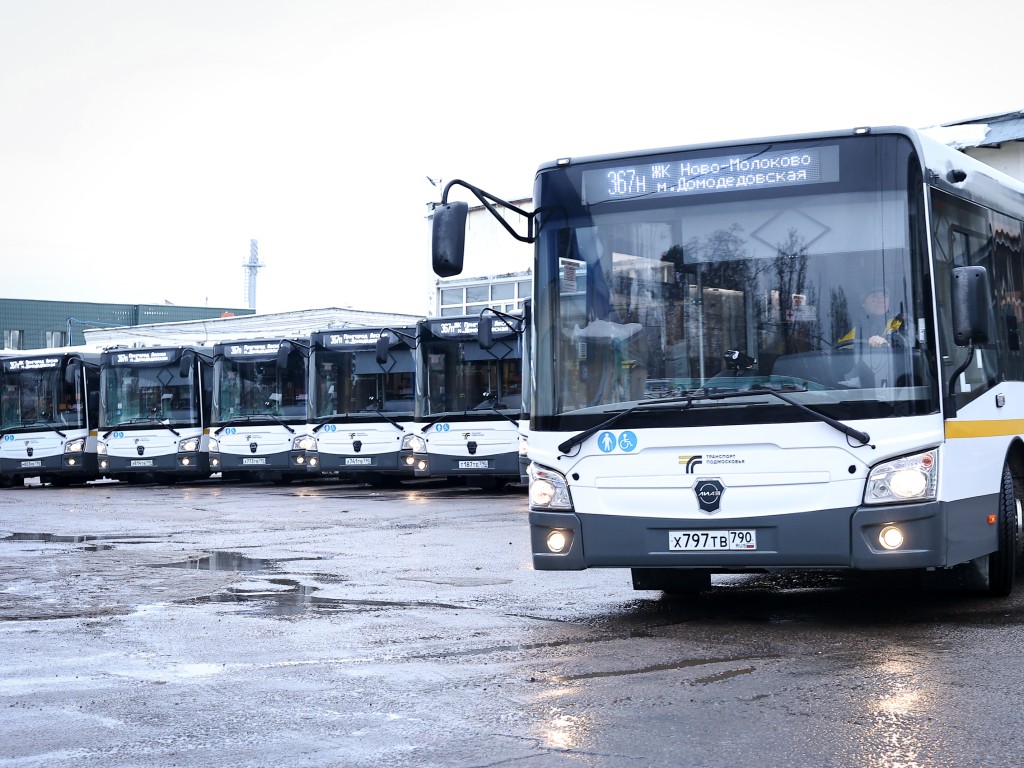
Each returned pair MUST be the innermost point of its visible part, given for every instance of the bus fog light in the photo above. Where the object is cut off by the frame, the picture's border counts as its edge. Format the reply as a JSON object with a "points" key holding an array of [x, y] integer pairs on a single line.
{"points": [[421, 465], [410, 460], [557, 541], [300, 460], [104, 464], [185, 461], [313, 462], [890, 537], [71, 462]]}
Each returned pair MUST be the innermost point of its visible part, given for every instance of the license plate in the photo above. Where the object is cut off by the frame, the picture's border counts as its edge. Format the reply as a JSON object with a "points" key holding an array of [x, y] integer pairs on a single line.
{"points": [[254, 461], [474, 465], [362, 461], [35, 463], [142, 462], [709, 541]]}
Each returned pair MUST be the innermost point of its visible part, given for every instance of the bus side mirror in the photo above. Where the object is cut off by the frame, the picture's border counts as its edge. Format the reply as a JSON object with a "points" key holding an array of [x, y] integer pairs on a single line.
{"points": [[970, 305], [484, 332], [71, 371], [383, 342], [448, 238], [282, 354], [185, 365]]}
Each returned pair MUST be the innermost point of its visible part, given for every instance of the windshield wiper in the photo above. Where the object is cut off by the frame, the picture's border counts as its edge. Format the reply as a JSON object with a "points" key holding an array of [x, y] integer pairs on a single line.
{"points": [[143, 420], [389, 420], [846, 429], [443, 416], [647, 405], [46, 424], [251, 417], [334, 418], [704, 393]]}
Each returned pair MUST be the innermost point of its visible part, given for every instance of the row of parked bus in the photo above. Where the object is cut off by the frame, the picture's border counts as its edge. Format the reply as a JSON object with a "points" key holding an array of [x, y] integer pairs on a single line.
{"points": [[442, 398]]}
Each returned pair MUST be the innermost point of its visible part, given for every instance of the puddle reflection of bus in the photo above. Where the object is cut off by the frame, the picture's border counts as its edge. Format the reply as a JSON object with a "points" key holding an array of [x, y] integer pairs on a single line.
{"points": [[468, 402], [155, 413], [258, 415], [361, 402], [49, 411]]}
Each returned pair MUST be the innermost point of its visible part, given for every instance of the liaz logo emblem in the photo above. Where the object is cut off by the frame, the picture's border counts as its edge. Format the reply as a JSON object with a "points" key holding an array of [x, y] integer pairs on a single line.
{"points": [[709, 495], [253, 447]]}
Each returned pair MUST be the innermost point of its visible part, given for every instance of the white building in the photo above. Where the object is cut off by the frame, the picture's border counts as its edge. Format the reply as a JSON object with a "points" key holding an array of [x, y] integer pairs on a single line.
{"points": [[497, 266]]}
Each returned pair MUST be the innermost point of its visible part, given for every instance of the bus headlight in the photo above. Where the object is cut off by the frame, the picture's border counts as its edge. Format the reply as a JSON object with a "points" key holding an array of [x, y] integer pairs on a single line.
{"points": [[304, 443], [214, 445], [548, 489], [75, 446], [414, 443], [189, 445], [524, 443], [908, 478], [101, 448]]}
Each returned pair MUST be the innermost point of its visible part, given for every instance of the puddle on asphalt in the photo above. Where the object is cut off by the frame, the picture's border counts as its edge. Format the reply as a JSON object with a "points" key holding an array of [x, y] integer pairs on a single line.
{"points": [[224, 561], [53, 538], [278, 596], [288, 597]]}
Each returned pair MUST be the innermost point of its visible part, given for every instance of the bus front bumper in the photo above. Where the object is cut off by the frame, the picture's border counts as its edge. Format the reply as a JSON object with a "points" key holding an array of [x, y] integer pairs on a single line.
{"points": [[934, 535]]}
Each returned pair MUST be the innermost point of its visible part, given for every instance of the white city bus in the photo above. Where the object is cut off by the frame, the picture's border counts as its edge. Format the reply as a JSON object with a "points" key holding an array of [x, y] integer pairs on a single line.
{"points": [[155, 413], [709, 395], [259, 413], [361, 404], [468, 400], [48, 415]]}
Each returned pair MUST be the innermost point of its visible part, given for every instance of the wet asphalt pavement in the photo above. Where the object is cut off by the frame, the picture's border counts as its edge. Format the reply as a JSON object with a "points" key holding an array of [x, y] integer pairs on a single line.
{"points": [[335, 625]]}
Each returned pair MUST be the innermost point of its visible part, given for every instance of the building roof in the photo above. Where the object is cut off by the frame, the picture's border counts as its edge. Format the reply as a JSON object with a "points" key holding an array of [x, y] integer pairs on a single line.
{"points": [[281, 325], [986, 131]]}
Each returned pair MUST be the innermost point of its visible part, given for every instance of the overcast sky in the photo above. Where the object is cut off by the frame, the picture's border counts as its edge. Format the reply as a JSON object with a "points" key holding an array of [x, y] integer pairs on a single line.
{"points": [[144, 143]]}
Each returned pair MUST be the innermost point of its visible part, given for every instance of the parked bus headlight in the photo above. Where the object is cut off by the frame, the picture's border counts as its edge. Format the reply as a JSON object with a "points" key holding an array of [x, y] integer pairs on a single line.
{"points": [[524, 443], [304, 443], [548, 489], [75, 446], [214, 445], [414, 443], [190, 445], [908, 478], [101, 448]]}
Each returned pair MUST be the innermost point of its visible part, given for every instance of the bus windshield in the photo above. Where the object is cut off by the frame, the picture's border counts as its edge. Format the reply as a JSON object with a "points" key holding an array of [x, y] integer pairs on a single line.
{"points": [[40, 399], [461, 377], [248, 387], [675, 278], [140, 395], [353, 383]]}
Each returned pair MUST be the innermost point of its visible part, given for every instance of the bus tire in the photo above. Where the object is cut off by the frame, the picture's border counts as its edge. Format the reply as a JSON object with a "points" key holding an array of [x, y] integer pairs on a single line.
{"points": [[1002, 564], [672, 581]]}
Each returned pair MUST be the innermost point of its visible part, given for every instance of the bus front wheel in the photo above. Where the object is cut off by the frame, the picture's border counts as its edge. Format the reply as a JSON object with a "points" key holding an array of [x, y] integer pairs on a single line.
{"points": [[1002, 564]]}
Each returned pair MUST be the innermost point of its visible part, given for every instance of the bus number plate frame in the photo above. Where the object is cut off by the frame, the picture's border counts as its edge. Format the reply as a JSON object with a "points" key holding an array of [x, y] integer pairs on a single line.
{"points": [[712, 541]]}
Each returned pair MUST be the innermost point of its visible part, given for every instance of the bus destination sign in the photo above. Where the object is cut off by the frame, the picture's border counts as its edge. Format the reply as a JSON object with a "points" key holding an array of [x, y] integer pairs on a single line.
{"points": [[704, 175]]}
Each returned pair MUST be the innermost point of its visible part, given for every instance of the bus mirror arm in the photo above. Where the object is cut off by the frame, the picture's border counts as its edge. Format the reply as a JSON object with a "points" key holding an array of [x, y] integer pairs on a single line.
{"points": [[448, 227], [486, 199], [950, 401], [485, 335]]}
